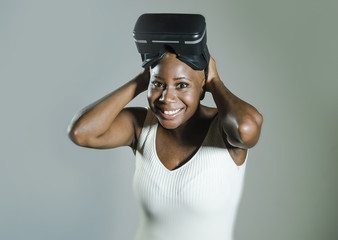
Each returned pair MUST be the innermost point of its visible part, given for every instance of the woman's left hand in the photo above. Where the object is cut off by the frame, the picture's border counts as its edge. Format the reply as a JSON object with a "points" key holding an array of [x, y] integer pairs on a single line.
{"points": [[212, 73]]}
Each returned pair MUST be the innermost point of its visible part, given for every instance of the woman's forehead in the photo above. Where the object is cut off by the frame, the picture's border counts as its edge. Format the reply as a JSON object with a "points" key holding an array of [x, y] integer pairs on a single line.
{"points": [[171, 66]]}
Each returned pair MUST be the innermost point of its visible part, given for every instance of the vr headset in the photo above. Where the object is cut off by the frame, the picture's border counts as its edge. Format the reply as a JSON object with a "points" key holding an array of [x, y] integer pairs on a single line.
{"points": [[183, 34]]}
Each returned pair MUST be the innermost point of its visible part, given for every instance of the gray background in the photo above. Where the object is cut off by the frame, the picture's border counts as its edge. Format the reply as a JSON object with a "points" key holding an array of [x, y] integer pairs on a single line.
{"points": [[58, 56]]}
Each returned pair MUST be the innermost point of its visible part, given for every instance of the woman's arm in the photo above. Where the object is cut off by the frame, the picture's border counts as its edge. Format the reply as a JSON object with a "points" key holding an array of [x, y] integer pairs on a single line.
{"points": [[240, 121], [105, 123]]}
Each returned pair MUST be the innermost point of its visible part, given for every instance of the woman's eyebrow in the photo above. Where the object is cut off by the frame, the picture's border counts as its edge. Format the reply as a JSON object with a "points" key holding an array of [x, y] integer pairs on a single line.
{"points": [[158, 77], [180, 78]]}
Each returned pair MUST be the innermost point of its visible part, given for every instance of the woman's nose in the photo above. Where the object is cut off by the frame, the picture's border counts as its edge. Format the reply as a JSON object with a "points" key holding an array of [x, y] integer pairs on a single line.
{"points": [[168, 95]]}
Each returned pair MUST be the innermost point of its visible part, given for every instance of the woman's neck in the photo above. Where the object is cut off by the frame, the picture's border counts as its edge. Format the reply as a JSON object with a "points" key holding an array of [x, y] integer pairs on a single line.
{"points": [[188, 129]]}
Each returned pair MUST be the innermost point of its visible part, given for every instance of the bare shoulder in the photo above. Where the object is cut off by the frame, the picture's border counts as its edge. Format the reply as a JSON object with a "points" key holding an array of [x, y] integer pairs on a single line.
{"points": [[238, 155], [208, 112], [138, 116]]}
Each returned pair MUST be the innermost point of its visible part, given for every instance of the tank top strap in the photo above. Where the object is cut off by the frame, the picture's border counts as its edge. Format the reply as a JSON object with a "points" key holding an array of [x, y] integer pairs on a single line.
{"points": [[148, 127]]}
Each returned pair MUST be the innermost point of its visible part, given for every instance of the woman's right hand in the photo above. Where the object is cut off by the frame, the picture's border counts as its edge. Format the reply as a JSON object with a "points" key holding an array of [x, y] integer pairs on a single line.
{"points": [[143, 79]]}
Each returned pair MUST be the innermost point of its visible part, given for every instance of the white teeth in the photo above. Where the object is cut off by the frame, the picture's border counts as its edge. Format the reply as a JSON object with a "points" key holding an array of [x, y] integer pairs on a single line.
{"points": [[171, 112]]}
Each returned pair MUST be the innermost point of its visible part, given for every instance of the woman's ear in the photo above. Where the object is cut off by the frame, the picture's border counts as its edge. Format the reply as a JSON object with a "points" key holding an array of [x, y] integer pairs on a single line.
{"points": [[202, 95]]}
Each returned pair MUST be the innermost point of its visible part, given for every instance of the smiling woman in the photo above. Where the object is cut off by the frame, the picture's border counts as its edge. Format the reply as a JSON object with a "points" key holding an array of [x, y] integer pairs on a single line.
{"points": [[174, 91], [190, 158]]}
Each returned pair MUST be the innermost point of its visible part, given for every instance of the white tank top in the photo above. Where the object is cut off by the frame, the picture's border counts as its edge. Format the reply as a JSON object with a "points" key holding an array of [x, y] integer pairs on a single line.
{"points": [[196, 201]]}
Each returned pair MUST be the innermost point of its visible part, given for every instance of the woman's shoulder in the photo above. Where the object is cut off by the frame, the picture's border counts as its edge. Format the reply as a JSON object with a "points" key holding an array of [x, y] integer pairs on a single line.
{"points": [[138, 115], [237, 154], [208, 113]]}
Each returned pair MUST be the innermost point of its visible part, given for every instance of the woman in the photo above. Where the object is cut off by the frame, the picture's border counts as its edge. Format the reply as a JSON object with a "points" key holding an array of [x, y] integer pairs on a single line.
{"points": [[190, 159]]}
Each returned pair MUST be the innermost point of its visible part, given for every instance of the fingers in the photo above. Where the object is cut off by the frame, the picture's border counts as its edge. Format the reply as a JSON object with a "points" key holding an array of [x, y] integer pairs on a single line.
{"points": [[212, 71]]}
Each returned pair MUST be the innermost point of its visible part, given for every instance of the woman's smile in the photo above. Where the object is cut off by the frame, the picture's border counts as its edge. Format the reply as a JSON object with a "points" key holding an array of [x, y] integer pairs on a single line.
{"points": [[170, 113]]}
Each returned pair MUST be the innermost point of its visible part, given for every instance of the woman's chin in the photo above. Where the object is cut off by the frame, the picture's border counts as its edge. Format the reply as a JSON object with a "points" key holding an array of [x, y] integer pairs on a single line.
{"points": [[169, 124]]}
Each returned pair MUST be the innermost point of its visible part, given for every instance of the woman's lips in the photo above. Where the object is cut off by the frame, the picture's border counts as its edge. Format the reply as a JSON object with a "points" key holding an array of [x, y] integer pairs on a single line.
{"points": [[170, 114]]}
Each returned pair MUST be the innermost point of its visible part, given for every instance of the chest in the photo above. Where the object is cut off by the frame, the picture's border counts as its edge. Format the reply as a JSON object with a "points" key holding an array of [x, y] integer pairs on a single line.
{"points": [[174, 152], [204, 185], [199, 176]]}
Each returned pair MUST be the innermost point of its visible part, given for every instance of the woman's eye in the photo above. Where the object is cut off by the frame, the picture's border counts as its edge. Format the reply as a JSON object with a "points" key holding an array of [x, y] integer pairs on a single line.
{"points": [[157, 84], [182, 85]]}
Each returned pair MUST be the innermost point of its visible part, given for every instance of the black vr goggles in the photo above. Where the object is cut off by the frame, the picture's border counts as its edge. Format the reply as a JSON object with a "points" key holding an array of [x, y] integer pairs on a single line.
{"points": [[183, 34]]}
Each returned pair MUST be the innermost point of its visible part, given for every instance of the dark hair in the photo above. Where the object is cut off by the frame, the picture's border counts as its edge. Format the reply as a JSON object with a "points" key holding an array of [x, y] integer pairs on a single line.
{"points": [[169, 49]]}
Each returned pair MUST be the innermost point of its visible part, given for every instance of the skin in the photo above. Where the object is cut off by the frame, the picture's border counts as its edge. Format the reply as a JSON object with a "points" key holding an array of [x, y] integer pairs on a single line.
{"points": [[174, 91]]}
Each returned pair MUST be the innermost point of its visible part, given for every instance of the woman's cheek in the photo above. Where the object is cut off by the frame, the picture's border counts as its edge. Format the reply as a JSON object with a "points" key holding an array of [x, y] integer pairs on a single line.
{"points": [[151, 93], [190, 97]]}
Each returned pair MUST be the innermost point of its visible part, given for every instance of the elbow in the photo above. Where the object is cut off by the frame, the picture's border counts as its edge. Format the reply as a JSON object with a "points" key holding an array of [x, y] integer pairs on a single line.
{"points": [[76, 135], [249, 130]]}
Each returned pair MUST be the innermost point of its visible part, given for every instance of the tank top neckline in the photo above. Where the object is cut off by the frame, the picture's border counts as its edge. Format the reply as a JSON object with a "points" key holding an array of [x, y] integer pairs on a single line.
{"points": [[185, 165]]}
